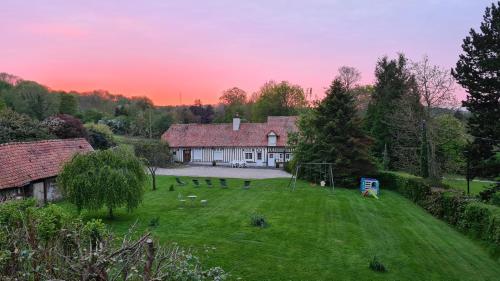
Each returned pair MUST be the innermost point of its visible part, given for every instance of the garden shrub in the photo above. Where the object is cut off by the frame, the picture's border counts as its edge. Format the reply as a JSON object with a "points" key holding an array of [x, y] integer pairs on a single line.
{"points": [[495, 199], [50, 220], [154, 222], [95, 231], [488, 193], [11, 211], [258, 220], [413, 188], [171, 188], [376, 265]]}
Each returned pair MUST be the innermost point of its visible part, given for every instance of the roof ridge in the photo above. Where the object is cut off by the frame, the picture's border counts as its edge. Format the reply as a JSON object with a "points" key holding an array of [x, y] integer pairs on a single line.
{"points": [[39, 141]]}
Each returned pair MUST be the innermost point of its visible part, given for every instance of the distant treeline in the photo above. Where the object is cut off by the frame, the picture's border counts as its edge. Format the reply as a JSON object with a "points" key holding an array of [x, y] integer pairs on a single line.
{"points": [[391, 111]]}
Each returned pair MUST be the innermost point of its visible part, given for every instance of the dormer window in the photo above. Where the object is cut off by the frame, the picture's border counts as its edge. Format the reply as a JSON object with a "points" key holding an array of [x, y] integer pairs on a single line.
{"points": [[272, 139]]}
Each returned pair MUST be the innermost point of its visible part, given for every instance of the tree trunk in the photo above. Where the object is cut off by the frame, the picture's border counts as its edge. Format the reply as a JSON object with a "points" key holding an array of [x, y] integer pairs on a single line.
{"points": [[153, 176], [150, 255], [110, 213]]}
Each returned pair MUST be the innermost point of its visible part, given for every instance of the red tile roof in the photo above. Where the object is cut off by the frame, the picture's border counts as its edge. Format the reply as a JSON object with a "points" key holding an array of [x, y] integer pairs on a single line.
{"points": [[222, 135], [23, 162]]}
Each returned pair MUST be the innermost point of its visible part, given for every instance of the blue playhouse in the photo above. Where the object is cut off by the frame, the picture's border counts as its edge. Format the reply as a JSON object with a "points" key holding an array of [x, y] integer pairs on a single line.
{"points": [[369, 187]]}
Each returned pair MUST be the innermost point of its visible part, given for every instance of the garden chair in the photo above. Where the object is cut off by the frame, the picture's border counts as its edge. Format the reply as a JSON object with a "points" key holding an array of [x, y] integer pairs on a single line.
{"points": [[223, 183], [196, 183], [182, 201], [209, 182], [179, 182], [246, 184]]}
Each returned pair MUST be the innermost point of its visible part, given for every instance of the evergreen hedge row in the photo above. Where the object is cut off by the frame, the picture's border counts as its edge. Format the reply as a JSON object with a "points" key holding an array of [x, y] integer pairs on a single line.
{"points": [[469, 215]]}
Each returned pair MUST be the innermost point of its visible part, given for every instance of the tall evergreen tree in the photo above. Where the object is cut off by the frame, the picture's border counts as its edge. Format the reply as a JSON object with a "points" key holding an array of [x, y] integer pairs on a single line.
{"points": [[478, 71], [332, 133], [395, 91]]}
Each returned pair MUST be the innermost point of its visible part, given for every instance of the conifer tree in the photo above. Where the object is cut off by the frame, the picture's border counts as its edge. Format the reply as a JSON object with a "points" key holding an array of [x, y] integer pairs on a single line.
{"points": [[395, 88], [332, 133], [478, 71]]}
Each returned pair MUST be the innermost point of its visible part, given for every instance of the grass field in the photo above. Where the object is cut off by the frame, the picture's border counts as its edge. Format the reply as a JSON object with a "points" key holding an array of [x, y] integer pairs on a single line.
{"points": [[313, 234], [476, 186]]}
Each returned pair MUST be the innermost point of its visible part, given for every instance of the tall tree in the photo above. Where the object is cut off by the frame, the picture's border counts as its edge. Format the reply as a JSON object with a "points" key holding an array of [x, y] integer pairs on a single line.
{"points": [[349, 76], [362, 96], [435, 85], [424, 154], [278, 99], [32, 99], [205, 114], [154, 153], [436, 89], [234, 101], [478, 71], [161, 123], [332, 133], [450, 139], [68, 104], [395, 90]]}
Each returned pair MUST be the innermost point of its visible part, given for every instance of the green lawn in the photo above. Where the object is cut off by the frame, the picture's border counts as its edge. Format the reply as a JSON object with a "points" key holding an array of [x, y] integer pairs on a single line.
{"points": [[461, 184], [313, 234]]}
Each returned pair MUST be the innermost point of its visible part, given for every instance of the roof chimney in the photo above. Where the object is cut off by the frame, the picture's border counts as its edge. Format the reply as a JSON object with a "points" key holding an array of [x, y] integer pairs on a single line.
{"points": [[236, 122]]}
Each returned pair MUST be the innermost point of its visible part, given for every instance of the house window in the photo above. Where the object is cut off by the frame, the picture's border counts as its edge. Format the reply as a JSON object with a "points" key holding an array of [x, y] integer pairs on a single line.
{"points": [[287, 156], [218, 155], [174, 153], [248, 156], [271, 155], [271, 139], [196, 155], [259, 155]]}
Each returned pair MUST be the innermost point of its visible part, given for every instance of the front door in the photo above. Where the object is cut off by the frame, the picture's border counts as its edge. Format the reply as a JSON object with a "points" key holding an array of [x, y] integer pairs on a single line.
{"points": [[271, 161], [258, 159], [186, 156]]}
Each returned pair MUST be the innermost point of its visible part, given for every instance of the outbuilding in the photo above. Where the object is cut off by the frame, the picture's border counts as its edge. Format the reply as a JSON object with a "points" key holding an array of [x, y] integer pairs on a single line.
{"points": [[29, 169]]}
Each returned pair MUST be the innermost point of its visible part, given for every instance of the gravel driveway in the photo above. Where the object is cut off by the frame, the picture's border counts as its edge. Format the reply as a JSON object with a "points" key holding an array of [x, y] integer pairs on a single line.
{"points": [[223, 172]]}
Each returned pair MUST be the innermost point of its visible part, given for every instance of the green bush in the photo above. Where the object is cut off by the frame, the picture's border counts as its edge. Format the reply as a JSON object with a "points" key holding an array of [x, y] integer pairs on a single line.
{"points": [[154, 222], [258, 220], [495, 199], [414, 188], [376, 265], [95, 231], [11, 212], [50, 220], [100, 136]]}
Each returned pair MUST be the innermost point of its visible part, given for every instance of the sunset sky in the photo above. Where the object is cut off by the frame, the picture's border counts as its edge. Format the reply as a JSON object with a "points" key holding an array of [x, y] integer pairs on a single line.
{"points": [[177, 51]]}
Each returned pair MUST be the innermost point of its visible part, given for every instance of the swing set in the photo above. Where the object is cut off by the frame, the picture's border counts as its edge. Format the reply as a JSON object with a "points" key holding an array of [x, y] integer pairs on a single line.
{"points": [[319, 173]]}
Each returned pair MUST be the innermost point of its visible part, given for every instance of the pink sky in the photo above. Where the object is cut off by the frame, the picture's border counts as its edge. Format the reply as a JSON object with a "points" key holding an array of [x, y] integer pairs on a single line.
{"points": [[195, 49]]}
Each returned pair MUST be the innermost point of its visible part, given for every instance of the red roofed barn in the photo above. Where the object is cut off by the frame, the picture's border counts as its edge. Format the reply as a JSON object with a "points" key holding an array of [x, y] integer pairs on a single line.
{"points": [[29, 168], [256, 144]]}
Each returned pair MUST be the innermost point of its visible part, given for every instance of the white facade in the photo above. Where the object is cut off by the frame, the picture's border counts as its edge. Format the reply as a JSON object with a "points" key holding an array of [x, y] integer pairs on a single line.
{"points": [[253, 156], [256, 144]]}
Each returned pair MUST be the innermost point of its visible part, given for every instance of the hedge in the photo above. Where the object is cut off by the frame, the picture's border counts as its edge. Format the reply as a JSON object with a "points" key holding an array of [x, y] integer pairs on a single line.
{"points": [[476, 219]]}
